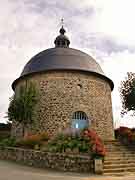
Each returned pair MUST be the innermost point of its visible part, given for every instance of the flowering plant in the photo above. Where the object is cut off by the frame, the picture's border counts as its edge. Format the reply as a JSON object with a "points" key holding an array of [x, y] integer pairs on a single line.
{"points": [[69, 139], [125, 134], [30, 141], [97, 146]]}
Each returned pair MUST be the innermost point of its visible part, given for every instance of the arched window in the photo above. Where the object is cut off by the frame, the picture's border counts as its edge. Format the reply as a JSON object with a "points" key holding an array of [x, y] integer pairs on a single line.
{"points": [[80, 120]]}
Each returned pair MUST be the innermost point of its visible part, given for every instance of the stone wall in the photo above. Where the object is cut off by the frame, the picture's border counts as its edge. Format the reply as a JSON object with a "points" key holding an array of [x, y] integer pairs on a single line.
{"points": [[63, 93], [57, 161]]}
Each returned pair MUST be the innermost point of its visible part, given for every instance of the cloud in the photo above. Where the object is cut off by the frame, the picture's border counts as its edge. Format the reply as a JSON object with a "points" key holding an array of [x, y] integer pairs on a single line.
{"points": [[116, 20], [100, 43]]}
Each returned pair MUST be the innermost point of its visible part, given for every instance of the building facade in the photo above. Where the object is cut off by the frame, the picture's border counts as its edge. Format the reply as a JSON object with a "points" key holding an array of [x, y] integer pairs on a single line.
{"points": [[74, 92]]}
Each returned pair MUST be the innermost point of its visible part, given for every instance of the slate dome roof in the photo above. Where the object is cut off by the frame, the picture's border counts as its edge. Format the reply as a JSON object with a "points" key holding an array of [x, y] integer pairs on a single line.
{"points": [[62, 58]]}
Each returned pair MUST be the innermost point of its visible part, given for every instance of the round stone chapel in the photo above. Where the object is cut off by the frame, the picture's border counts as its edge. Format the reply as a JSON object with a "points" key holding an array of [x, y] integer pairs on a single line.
{"points": [[74, 91]]}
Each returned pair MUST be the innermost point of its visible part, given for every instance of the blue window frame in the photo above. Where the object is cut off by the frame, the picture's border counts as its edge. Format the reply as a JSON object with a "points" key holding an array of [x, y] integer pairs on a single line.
{"points": [[79, 120]]}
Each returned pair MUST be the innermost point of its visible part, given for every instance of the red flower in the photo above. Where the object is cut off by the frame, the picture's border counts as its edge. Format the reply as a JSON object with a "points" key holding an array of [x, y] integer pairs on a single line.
{"points": [[96, 142]]}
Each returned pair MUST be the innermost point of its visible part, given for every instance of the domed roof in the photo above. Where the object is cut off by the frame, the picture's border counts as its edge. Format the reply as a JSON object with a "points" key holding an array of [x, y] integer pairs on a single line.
{"points": [[62, 58]]}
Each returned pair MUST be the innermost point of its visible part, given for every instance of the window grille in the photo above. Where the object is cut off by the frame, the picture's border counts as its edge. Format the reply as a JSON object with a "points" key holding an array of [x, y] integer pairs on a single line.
{"points": [[79, 115], [79, 120]]}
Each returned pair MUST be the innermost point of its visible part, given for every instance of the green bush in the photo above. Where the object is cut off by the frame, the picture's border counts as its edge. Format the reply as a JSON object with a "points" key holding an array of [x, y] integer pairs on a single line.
{"points": [[33, 141], [11, 142], [71, 140], [125, 135]]}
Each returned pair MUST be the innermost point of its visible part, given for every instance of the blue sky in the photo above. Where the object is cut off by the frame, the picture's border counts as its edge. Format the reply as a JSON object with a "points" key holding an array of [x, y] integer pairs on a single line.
{"points": [[102, 28]]}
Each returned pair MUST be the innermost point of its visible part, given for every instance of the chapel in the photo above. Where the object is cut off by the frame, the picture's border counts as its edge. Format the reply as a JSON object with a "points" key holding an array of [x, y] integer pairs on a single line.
{"points": [[74, 91]]}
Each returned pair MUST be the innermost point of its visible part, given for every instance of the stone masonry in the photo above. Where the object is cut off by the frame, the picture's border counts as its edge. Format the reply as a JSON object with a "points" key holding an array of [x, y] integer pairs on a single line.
{"points": [[61, 93], [40, 159]]}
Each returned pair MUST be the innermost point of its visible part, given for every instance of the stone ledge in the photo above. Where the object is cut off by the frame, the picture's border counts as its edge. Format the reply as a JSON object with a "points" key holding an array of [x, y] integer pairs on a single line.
{"points": [[57, 161]]}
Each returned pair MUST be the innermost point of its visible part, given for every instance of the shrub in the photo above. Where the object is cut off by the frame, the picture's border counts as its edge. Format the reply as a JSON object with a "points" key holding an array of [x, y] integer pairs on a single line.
{"points": [[32, 141], [124, 130], [11, 142], [44, 136], [125, 135], [86, 141], [69, 139], [29, 142], [22, 105], [97, 146]]}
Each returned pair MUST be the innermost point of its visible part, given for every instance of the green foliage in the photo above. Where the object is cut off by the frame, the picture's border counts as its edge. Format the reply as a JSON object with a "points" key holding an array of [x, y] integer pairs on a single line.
{"points": [[22, 105], [72, 140], [85, 141], [28, 143], [127, 93], [4, 135], [33, 141], [8, 142]]}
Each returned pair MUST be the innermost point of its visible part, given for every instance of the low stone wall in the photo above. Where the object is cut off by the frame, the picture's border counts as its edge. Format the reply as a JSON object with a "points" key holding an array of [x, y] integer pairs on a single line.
{"points": [[57, 161]]}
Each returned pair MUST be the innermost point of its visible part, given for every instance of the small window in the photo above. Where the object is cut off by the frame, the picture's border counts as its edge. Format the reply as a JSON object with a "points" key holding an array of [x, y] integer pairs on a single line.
{"points": [[79, 86], [80, 120]]}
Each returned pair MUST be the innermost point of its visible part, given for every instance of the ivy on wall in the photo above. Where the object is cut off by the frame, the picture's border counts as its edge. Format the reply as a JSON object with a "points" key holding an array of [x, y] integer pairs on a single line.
{"points": [[21, 106]]}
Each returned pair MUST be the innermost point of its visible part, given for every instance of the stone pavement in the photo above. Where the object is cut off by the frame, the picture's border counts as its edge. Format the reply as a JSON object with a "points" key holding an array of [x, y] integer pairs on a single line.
{"points": [[12, 171]]}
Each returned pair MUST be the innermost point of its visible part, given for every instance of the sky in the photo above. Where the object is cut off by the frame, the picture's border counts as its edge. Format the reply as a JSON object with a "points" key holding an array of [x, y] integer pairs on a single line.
{"points": [[104, 29]]}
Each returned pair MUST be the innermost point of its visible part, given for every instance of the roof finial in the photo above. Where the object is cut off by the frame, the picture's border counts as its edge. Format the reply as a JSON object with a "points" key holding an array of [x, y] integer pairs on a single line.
{"points": [[62, 41], [62, 30], [62, 22]]}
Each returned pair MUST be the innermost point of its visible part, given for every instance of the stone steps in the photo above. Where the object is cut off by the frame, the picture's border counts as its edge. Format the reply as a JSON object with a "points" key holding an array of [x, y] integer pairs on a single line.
{"points": [[115, 161], [120, 152], [120, 149], [119, 160], [120, 165], [121, 155], [126, 156], [120, 174], [119, 170]]}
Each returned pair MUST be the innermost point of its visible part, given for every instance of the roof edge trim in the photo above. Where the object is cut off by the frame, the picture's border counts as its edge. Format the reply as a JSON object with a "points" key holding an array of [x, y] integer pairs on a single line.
{"points": [[69, 70]]}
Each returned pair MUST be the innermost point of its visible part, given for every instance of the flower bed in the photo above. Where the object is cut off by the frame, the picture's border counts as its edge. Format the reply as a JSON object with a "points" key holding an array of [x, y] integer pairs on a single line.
{"points": [[125, 135], [70, 140], [70, 150]]}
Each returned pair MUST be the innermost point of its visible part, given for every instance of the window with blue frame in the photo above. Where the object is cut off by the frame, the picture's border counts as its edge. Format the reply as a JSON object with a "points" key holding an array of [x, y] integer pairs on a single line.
{"points": [[80, 120]]}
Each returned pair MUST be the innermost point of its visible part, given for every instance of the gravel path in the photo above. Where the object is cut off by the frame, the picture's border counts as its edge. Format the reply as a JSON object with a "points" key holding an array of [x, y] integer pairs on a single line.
{"points": [[12, 171]]}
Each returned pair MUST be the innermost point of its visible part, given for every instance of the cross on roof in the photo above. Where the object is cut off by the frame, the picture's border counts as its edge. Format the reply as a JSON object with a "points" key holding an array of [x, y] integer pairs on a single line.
{"points": [[62, 22]]}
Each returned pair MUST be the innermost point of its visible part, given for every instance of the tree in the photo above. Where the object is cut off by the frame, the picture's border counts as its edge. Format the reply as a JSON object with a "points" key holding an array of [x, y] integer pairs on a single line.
{"points": [[22, 105], [127, 93]]}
